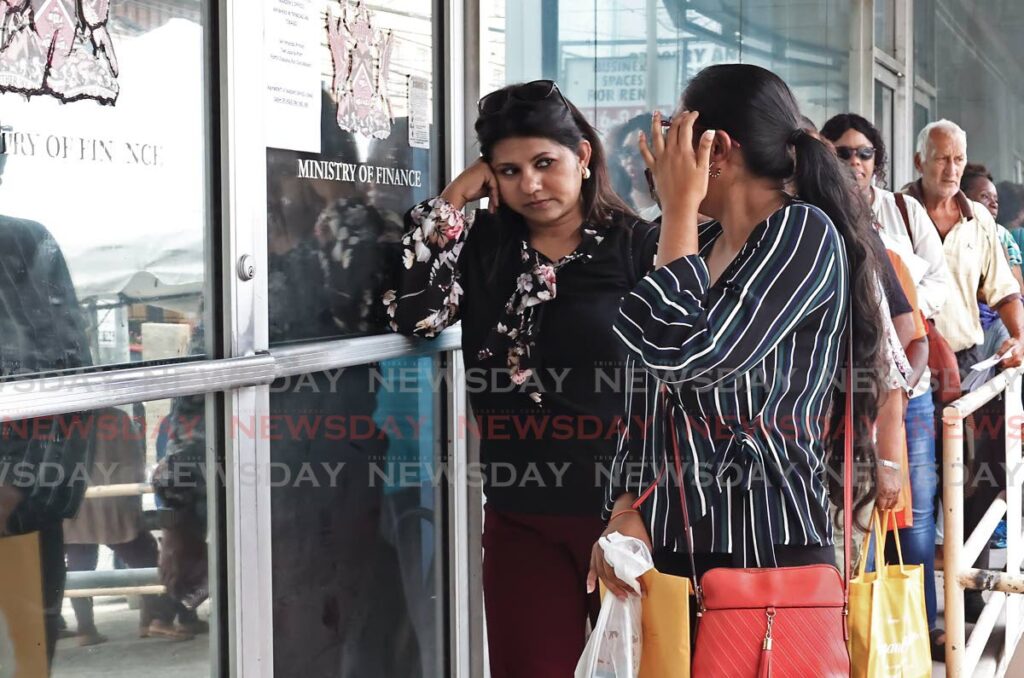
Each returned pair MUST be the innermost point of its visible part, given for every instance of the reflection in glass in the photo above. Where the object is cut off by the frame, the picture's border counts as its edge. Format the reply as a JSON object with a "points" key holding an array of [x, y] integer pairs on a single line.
{"points": [[626, 58], [123, 571], [885, 26], [922, 116], [356, 540], [334, 218], [965, 38], [331, 251], [107, 154], [884, 120], [924, 40], [626, 166]]}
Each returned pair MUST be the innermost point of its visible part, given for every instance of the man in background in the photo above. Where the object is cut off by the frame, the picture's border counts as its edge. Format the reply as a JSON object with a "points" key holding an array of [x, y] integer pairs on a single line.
{"points": [[41, 465]]}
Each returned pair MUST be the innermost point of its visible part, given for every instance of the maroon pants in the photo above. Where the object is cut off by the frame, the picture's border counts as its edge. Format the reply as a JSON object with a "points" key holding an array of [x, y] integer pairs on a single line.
{"points": [[535, 591]]}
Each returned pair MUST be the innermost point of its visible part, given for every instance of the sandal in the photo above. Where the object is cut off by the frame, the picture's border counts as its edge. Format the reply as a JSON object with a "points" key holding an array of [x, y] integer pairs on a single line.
{"points": [[937, 639], [159, 629], [89, 638]]}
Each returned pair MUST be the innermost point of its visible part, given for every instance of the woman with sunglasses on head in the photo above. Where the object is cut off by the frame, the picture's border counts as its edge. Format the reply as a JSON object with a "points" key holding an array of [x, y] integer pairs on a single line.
{"points": [[908, 232], [743, 327], [536, 281]]}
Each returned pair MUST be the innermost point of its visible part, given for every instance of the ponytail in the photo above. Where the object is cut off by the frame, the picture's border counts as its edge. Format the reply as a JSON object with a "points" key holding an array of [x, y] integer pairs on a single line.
{"points": [[757, 109], [821, 181]]}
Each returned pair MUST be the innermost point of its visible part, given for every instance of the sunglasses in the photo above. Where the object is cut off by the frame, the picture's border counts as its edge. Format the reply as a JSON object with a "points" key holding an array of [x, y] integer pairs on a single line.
{"points": [[530, 92], [864, 152]]}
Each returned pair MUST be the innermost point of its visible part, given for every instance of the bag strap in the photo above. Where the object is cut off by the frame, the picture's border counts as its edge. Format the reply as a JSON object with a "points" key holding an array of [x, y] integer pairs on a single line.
{"points": [[848, 473], [901, 204], [847, 486], [687, 528]]}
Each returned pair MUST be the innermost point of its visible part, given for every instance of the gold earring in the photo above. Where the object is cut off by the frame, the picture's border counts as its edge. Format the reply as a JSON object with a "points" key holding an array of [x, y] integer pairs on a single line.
{"points": [[586, 173], [714, 172]]}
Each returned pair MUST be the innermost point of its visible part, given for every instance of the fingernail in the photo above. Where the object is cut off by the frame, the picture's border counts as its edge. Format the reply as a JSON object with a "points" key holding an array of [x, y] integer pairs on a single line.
{"points": [[709, 133], [590, 587]]}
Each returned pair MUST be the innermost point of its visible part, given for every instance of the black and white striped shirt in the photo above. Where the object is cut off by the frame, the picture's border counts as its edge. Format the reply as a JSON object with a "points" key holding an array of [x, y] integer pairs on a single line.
{"points": [[749, 364]]}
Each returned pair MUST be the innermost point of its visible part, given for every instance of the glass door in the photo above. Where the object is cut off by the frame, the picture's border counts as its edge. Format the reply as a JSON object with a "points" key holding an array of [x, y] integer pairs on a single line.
{"points": [[215, 458], [108, 289]]}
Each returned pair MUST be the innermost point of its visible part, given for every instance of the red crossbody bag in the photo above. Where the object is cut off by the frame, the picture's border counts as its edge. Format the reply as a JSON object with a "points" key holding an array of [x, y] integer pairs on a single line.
{"points": [[784, 622]]}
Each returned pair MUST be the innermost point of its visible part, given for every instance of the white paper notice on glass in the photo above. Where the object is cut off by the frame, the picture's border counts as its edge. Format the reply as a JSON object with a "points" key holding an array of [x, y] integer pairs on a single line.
{"points": [[292, 39], [419, 112]]}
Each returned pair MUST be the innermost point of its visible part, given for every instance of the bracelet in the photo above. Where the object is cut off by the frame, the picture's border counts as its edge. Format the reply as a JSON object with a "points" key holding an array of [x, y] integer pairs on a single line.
{"points": [[620, 513], [885, 463]]}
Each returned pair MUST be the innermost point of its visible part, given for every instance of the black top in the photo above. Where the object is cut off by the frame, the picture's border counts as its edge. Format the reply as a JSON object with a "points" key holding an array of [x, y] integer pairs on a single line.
{"points": [[551, 456], [41, 331], [891, 287]]}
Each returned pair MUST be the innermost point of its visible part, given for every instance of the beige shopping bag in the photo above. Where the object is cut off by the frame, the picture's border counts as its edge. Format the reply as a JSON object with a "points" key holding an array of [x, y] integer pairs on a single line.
{"points": [[22, 631], [665, 621]]}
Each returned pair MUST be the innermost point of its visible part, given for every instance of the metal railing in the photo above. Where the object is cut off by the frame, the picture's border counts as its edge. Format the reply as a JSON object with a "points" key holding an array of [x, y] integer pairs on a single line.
{"points": [[964, 653], [122, 490], [127, 581]]}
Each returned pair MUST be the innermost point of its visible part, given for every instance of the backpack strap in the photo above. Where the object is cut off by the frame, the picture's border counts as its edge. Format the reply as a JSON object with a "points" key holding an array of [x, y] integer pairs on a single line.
{"points": [[901, 204]]}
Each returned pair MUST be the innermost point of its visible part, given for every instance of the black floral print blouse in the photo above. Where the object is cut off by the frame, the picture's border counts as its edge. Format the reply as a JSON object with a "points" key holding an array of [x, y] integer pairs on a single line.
{"points": [[543, 368]]}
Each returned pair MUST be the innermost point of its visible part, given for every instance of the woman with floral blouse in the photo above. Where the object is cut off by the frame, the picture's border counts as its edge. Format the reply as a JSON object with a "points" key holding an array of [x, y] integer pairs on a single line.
{"points": [[536, 281]]}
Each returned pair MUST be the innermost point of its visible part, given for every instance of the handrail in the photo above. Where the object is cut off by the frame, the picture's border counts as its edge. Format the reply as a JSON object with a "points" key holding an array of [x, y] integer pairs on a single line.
{"points": [[138, 581], [53, 395], [121, 490], [963, 654]]}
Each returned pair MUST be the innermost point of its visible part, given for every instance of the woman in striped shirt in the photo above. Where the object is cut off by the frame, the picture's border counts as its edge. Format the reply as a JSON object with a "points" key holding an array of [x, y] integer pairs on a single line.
{"points": [[741, 330]]}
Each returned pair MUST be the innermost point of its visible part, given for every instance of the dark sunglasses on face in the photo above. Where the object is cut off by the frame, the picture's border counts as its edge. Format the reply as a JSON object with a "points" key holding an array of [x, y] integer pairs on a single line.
{"points": [[847, 152], [529, 92]]}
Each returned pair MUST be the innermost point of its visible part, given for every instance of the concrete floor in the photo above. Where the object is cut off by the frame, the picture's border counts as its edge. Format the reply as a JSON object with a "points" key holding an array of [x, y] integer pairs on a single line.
{"points": [[125, 655]]}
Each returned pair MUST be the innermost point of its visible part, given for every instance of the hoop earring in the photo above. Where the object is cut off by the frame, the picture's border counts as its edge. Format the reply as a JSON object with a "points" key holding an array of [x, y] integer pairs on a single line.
{"points": [[586, 173], [714, 172]]}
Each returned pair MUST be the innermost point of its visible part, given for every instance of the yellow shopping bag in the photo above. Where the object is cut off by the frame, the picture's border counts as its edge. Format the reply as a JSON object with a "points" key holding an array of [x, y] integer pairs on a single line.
{"points": [[22, 633], [665, 622], [888, 623]]}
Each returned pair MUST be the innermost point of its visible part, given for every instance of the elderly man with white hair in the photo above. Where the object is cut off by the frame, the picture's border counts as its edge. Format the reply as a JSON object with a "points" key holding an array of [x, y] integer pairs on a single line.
{"points": [[979, 270]]}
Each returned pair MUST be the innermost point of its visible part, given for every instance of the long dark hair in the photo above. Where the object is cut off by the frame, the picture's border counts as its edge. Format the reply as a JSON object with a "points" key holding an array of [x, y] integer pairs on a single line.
{"points": [[557, 119], [756, 108], [837, 126]]}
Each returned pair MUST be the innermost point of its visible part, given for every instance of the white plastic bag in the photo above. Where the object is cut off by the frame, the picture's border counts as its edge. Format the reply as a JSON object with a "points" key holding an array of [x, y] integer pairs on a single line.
{"points": [[613, 650]]}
